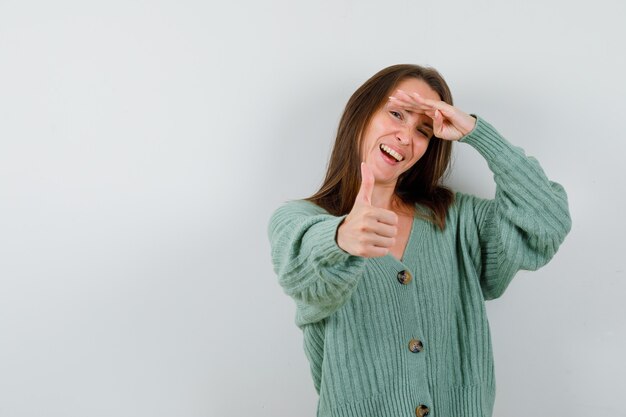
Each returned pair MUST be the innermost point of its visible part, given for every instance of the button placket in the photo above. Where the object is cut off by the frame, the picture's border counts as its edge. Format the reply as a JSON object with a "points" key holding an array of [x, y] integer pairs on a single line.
{"points": [[415, 345]]}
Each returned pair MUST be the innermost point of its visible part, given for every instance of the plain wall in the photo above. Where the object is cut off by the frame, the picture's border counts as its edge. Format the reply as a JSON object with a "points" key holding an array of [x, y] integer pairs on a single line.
{"points": [[144, 145]]}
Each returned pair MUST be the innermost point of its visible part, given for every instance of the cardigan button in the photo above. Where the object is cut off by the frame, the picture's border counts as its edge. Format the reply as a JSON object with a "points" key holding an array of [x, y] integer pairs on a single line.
{"points": [[416, 345], [404, 277], [422, 411]]}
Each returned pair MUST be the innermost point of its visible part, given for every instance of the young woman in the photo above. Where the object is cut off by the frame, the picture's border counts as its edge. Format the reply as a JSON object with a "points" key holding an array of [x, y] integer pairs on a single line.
{"points": [[390, 270]]}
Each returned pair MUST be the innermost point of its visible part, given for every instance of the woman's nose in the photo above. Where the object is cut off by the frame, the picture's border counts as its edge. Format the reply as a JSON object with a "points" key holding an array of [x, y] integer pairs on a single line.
{"points": [[402, 139], [404, 136]]}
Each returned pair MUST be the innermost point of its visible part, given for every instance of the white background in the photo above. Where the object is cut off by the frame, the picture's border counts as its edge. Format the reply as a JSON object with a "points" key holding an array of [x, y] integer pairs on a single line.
{"points": [[144, 145]]}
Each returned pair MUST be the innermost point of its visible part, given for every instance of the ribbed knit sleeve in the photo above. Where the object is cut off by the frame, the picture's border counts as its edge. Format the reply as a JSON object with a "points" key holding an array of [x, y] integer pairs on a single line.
{"points": [[523, 226], [311, 268]]}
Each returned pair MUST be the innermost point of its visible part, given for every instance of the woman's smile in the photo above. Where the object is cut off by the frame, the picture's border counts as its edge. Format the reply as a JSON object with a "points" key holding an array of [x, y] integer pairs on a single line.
{"points": [[390, 153]]}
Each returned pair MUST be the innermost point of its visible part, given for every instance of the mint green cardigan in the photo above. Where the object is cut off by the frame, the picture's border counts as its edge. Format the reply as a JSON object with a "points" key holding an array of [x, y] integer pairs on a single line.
{"points": [[358, 315]]}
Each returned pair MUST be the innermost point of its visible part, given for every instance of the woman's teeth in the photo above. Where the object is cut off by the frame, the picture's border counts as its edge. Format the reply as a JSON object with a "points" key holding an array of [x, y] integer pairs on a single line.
{"points": [[391, 152]]}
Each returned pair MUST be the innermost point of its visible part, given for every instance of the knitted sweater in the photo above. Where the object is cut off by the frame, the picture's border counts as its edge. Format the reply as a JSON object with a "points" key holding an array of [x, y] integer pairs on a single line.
{"points": [[391, 338]]}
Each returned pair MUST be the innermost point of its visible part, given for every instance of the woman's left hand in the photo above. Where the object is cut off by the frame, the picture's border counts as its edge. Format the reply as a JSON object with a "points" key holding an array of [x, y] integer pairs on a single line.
{"points": [[449, 122]]}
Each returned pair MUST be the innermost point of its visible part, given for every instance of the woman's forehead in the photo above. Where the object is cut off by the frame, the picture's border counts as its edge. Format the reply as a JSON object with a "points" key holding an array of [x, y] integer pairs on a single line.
{"points": [[417, 85]]}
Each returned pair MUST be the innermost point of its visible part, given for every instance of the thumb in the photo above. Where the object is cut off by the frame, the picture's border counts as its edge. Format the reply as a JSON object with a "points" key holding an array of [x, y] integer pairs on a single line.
{"points": [[367, 185]]}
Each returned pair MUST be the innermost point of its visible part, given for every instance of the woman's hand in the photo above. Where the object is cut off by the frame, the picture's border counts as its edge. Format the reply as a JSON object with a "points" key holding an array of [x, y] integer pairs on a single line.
{"points": [[449, 122], [367, 231]]}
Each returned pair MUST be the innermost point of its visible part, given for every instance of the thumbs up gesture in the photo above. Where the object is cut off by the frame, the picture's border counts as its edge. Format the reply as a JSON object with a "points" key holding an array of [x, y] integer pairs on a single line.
{"points": [[367, 231]]}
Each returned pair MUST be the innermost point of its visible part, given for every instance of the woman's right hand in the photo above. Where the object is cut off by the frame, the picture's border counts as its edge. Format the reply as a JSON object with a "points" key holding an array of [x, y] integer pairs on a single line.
{"points": [[367, 231]]}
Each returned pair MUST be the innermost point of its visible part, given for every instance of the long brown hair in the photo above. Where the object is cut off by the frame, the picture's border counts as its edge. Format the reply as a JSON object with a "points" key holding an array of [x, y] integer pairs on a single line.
{"points": [[420, 184]]}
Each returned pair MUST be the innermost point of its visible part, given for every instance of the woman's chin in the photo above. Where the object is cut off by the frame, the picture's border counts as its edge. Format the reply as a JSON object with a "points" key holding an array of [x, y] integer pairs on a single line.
{"points": [[385, 179]]}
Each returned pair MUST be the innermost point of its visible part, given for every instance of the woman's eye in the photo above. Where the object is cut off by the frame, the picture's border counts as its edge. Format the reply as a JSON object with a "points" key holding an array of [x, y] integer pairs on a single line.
{"points": [[424, 132], [396, 114]]}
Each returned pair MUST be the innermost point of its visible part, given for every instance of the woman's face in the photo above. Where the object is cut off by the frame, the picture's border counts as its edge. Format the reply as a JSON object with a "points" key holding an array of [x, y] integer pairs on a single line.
{"points": [[395, 139]]}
